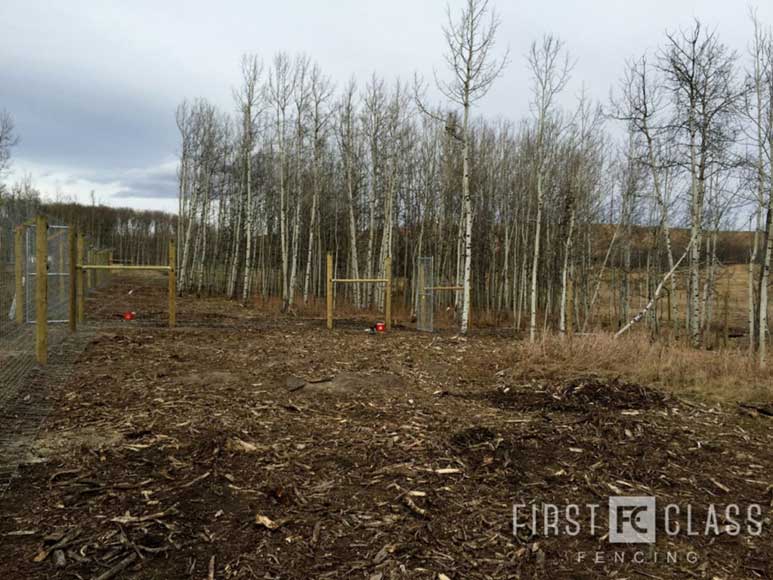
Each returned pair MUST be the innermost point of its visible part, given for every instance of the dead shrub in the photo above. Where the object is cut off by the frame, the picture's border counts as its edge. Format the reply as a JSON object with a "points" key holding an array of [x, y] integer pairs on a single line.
{"points": [[724, 374]]}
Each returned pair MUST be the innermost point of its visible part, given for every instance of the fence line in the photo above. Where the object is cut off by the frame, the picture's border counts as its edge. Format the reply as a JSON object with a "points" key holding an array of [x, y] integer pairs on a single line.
{"points": [[39, 282]]}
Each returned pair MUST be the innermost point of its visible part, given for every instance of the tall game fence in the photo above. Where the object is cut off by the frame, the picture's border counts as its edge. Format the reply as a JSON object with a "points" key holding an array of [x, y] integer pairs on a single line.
{"points": [[7, 279], [21, 293], [57, 273], [32, 252], [17, 345], [52, 280], [429, 293]]}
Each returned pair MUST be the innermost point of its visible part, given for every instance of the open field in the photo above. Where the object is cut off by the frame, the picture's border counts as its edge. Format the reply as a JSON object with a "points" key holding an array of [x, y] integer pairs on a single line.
{"points": [[247, 445]]}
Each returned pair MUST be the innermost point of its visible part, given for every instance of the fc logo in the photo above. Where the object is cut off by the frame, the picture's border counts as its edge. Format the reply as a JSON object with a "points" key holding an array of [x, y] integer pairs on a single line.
{"points": [[632, 520]]}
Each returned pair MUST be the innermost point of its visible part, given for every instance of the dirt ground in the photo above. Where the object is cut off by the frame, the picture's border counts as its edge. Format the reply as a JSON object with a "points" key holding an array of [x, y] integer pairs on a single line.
{"points": [[244, 444]]}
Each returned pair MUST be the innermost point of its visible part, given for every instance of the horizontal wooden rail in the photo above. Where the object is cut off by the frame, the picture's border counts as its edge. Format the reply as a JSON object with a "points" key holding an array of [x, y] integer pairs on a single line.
{"points": [[330, 284], [79, 270], [444, 288], [360, 280], [122, 267]]}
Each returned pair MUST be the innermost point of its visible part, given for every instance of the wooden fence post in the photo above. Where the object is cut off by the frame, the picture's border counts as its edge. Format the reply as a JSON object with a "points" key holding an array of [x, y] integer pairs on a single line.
{"points": [[570, 306], [90, 273], [95, 259], [73, 272], [41, 289], [726, 331], [388, 292], [19, 273], [81, 290], [329, 291], [172, 284], [421, 303]]}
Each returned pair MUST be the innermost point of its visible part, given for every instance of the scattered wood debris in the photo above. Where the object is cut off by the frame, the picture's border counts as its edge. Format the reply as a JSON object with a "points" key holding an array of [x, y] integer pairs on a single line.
{"points": [[283, 451]]}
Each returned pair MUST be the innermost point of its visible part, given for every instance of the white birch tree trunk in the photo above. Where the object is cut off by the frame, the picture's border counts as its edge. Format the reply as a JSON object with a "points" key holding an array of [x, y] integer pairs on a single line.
{"points": [[764, 277], [467, 201]]}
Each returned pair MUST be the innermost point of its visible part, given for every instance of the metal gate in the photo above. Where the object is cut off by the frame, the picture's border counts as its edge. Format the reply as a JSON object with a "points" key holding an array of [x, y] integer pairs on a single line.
{"points": [[425, 305], [58, 273]]}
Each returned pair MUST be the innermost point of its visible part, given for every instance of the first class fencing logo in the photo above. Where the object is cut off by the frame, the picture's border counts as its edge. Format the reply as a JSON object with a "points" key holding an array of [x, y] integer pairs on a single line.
{"points": [[635, 520], [632, 520]]}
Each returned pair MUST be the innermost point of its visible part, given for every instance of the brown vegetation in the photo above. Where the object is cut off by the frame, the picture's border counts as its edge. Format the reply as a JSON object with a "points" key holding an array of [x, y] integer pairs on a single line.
{"points": [[257, 445]]}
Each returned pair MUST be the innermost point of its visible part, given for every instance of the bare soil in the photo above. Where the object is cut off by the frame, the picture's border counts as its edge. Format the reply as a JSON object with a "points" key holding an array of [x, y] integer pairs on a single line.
{"points": [[244, 444]]}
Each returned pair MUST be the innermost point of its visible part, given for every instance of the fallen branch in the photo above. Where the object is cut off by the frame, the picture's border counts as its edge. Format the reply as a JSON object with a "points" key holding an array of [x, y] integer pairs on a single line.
{"points": [[66, 540], [656, 295], [762, 409], [414, 507], [118, 568], [130, 519], [196, 480]]}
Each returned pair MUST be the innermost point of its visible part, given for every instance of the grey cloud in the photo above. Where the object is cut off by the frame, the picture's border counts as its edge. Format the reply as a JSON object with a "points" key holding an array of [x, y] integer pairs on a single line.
{"points": [[78, 125], [153, 182], [93, 84]]}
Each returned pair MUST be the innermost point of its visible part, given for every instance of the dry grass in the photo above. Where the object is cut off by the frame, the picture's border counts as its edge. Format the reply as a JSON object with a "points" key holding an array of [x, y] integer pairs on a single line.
{"points": [[723, 374], [718, 375]]}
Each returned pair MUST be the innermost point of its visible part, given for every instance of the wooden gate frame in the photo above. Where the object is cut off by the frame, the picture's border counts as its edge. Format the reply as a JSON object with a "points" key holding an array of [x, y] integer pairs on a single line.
{"points": [[434, 289], [387, 289], [80, 280]]}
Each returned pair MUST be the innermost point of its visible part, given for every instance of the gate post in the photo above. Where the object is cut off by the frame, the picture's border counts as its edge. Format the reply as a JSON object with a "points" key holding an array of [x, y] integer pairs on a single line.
{"points": [[388, 292], [18, 241], [81, 290], [569, 305], [172, 284], [329, 291], [73, 271], [90, 273], [41, 289]]}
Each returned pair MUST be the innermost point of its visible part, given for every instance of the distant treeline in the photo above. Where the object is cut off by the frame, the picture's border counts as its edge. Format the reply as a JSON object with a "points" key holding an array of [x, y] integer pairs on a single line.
{"points": [[134, 236]]}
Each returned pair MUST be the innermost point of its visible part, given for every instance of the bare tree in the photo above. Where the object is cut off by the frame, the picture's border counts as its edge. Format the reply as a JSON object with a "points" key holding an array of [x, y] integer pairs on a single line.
{"points": [[8, 139], [321, 90], [349, 144], [640, 105], [759, 109], [301, 98], [768, 242], [470, 41], [248, 98], [550, 69], [379, 180], [374, 126], [280, 89], [699, 70]]}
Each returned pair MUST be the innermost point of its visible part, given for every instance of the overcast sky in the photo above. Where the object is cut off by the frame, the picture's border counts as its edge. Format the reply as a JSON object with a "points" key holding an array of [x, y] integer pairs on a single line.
{"points": [[93, 85]]}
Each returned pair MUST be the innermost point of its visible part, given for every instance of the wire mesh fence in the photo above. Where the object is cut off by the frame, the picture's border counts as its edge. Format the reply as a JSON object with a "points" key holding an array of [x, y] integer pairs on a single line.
{"points": [[58, 274], [86, 291], [135, 297], [125, 295], [20, 343], [97, 278], [7, 279], [17, 346], [49, 279], [425, 294]]}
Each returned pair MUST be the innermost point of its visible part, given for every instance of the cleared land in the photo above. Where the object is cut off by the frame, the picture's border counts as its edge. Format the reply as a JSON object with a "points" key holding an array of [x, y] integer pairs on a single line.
{"points": [[244, 445]]}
